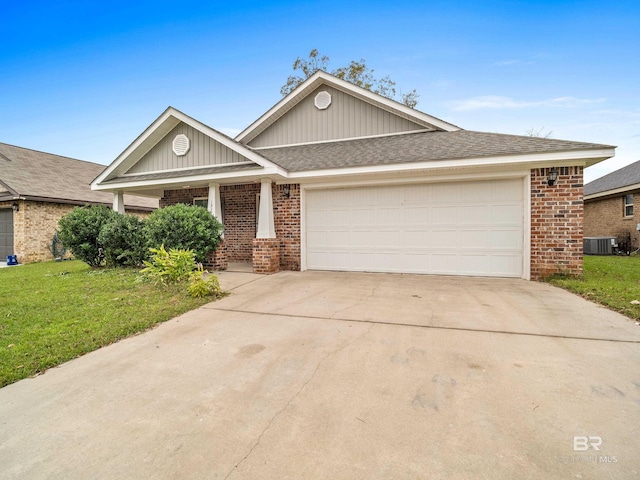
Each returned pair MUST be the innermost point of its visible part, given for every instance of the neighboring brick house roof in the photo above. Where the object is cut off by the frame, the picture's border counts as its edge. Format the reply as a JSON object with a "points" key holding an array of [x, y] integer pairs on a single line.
{"points": [[413, 147], [626, 176], [40, 176]]}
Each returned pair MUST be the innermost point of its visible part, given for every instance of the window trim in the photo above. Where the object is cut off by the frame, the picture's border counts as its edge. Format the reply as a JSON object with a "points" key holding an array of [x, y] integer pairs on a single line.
{"points": [[206, 199], [626, 205]]}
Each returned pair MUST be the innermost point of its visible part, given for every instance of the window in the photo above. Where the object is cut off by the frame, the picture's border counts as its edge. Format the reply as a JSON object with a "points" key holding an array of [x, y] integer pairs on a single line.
{"points": [[628, 205], [204, 202], [201, 202]]}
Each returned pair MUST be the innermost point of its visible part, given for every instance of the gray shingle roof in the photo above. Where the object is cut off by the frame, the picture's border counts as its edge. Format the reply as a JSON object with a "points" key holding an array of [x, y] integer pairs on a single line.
{"points": [[629, 175], [181, 173], [414, 147], [38, 175]]}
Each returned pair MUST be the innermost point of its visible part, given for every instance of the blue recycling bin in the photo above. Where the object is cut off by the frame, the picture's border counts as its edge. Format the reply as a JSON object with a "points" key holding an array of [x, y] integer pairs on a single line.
{"points": [[12, 260]]}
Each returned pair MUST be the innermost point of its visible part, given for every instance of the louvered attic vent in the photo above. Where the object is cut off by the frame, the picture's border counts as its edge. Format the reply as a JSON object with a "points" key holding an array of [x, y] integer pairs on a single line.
{"points": [[322, 100], [181, 144]]}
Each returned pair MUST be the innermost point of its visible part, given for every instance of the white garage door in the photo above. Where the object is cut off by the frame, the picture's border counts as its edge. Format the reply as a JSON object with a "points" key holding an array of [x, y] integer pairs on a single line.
{"points": [[462, 228]]}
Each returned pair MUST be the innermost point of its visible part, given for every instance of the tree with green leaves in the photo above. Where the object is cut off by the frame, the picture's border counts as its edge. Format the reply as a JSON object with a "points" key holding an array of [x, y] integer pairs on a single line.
{"points": [[357, 72]]}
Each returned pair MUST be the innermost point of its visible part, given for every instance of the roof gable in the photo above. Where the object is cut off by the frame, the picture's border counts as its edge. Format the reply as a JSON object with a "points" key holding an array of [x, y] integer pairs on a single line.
{"points": [[346, 117], [152, 151], [304, 94], [616, 181], [204, 151]]}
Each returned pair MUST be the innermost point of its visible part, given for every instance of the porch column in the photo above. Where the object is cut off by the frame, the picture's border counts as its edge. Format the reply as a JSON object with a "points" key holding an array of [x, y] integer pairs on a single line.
{"points": [[266, 227], [266, 247], [118, 201], [214, 204], [218, 258]]}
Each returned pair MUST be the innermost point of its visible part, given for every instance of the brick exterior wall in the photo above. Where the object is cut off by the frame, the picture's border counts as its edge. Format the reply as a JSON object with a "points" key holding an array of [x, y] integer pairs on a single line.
{"points": [[240, 209], [34, 225], [184, 195], [605, 218], [556, 222], [286, 212], [266, 255]]}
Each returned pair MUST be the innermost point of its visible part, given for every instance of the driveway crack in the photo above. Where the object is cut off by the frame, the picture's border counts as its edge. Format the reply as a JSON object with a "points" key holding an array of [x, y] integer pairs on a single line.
{"points": [[292, 399]]}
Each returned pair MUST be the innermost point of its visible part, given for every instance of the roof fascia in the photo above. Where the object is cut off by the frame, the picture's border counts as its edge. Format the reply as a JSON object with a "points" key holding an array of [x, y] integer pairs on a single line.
{"points": [[320, 77], [176, 181], [615, 191], [173, 117], [66, 201], [8, 188], [577, 158]]}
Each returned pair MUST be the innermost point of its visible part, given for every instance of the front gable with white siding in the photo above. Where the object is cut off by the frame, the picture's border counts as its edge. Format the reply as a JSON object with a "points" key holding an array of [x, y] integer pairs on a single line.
{"points": [[336, 177]]}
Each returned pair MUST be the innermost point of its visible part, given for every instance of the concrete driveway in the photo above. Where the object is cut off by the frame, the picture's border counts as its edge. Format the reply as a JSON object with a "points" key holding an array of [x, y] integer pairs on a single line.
{"points": [[319, 375]]}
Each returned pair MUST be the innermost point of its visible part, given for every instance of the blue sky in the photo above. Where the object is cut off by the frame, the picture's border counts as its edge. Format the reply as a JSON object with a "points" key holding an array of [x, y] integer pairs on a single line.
{"points": [[84, 79]]}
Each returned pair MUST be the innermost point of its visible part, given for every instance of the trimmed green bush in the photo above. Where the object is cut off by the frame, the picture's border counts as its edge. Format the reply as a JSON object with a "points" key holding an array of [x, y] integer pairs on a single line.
{"points": [[123, 241], [186, 227], [79, 230]]}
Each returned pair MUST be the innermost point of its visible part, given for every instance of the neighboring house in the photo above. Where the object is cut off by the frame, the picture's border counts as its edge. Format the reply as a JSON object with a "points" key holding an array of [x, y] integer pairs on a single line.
{"points": [[36, 190], [609, 209], [335, 177]]}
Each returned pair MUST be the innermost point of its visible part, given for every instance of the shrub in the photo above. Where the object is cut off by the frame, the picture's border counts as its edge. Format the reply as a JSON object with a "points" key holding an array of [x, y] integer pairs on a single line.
{"points": [[79, 230], [178, 266], [186, 227], [169, 267], [201, 286], [123, 241]]}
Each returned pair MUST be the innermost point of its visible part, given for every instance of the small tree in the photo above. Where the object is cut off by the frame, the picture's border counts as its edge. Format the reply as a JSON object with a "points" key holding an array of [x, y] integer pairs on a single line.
{"points": [[186, 227], [357, 72], [124, 242], [79, 231]]}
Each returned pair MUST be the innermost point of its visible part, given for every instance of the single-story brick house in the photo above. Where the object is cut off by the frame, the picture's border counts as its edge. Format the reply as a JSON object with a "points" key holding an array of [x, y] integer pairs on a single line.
{"points": [[609, 205], [335, 177], [36, 190]]}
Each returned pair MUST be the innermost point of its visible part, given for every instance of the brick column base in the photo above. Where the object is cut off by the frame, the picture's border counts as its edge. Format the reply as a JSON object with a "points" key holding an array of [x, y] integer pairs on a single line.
{"points": [[266, 255], [217, 260]]}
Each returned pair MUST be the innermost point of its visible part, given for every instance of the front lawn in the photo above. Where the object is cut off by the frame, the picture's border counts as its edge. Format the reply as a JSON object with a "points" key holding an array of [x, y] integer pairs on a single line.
{"points": [[611, 281], [53, 312]]}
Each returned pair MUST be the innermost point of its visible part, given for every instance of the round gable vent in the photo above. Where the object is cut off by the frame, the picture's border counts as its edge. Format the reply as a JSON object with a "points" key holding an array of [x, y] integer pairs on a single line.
{"points": [[322, 100], [181, 144]]}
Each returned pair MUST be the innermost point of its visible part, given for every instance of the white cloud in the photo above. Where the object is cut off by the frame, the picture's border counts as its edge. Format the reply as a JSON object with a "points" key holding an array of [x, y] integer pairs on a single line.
{"points": [[495, 102]]}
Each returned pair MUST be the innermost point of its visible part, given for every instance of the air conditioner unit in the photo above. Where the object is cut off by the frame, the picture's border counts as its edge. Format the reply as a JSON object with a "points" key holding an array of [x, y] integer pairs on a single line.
{"points": [[599, 245]]}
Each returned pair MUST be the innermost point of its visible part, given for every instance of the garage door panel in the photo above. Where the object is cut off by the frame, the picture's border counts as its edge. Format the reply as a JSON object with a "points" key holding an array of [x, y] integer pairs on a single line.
{"points": [[464, 228], [506, 239], [507, 190], [506, 214], [444, 239], [445, 215], [477, 192], [417, 195], [475, 214], [412, 215], [503, 265], [446, 193], [472, 239]]}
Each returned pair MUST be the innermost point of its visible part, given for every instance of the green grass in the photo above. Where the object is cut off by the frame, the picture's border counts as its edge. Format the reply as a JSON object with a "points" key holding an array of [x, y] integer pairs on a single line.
{"points": [[53, 312], [611, 281]]}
